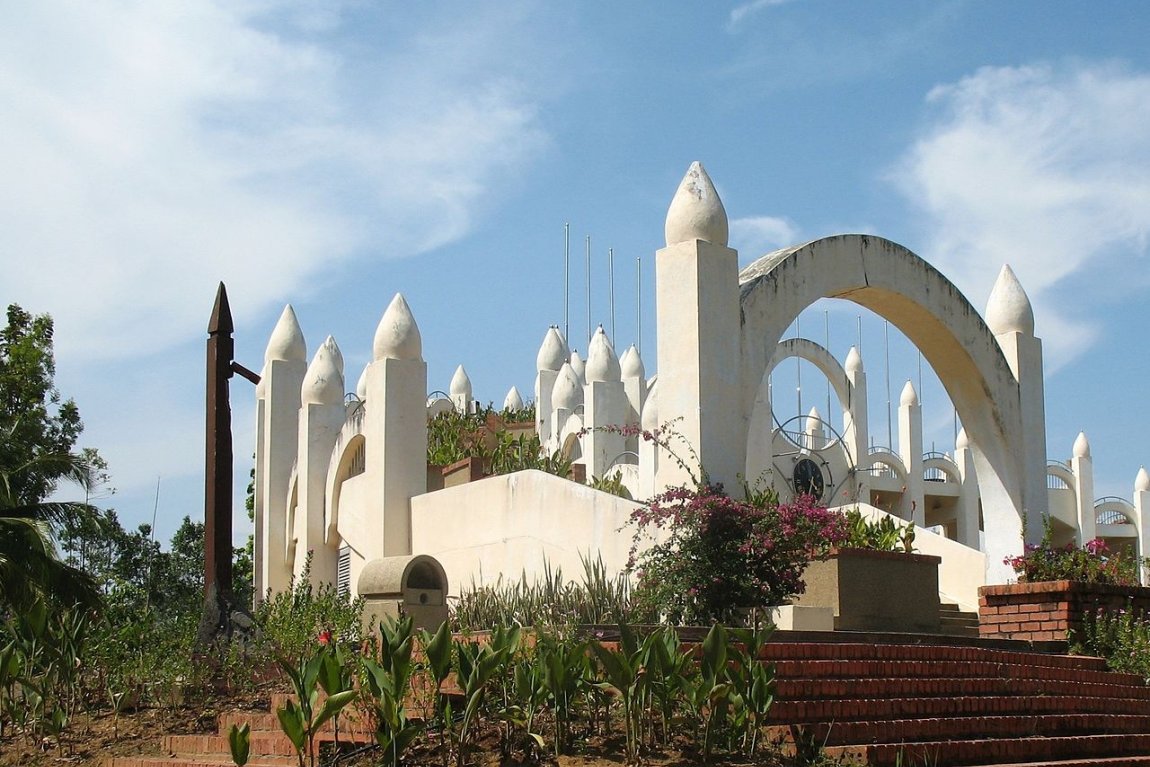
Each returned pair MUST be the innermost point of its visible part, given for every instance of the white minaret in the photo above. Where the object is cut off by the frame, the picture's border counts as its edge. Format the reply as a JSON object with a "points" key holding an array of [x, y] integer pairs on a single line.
{"points": [[1082, 466], [635, 384], [910, 451], [648, 450], [855, 421], [548, 362], [579, 366], [1011, 318], [966, 514], [697, 312], [395, 425], [513, 400], [1141, 510], [566, 397], [813, 431], [460, 391], [605, 404], [321, 417], [285, 363]]}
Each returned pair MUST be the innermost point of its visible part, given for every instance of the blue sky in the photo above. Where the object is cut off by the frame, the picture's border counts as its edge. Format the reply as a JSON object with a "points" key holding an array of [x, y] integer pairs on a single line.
{"points": [[331, 154]]}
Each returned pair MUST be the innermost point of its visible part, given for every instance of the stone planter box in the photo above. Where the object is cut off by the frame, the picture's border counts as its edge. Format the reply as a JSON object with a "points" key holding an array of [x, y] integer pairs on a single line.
{"points": [[871, 590], [1049, 610], [467, 470]]}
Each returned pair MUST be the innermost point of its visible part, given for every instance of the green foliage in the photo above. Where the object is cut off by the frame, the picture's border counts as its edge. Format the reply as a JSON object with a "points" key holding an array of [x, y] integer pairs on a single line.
{"points": [[1121, 636], [454, 436], [1092, 563], [388, 685], [550, 601], [719, 557], [302, 718], [240, 743], [883, 534]]}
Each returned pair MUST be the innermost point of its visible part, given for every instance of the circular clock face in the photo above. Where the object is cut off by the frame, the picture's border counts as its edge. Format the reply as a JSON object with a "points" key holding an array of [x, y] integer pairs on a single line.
{"points": [[808, 478]]}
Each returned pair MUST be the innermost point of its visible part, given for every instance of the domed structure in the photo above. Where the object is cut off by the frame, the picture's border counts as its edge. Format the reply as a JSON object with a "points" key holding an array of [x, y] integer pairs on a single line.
{"points": [[286, 341], [397, 336], [1008, 308], [696, 212]]}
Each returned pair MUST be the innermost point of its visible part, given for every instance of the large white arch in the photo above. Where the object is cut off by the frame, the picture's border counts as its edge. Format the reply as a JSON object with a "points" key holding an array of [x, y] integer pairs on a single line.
{"points": [[896, 284]]}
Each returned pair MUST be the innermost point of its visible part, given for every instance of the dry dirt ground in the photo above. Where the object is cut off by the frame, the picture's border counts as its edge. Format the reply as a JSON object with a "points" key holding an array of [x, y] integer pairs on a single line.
{"points": [[92, 739]]}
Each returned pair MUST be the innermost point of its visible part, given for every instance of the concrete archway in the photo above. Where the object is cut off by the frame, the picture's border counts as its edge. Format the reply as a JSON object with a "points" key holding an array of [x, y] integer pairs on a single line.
{"points": [[898, 285]]}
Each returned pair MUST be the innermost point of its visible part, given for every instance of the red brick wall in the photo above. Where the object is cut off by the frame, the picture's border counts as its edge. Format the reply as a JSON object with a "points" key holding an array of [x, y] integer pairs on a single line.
{"points": [[1051, 609]]}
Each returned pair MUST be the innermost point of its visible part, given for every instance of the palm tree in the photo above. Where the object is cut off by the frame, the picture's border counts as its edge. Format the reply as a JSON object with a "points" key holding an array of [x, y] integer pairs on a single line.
{"points": [[29, 566]]}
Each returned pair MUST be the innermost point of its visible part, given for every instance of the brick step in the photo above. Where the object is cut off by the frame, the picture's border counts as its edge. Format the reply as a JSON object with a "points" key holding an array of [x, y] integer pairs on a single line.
{"points": [[264, 744], [1120, 761], [816, 688], [194, 761], [912, 652], [852, 669], [874, 709], [263, 722], [1012, 751], [947, 728]]}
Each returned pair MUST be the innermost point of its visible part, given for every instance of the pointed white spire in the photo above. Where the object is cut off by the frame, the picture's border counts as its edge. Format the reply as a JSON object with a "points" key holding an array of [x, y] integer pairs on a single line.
{"points": [[361, 385], [1081, 446], [460, 384], [1142, 481], [631, 364], [287, 341], [568, 391], [513, 401], [262, 386], [853, 363], [696, 212], [553, 352], [909, 395], [397, 336], [814, 420], [962, 442], [579, 366], [1008, 308], [649, 419], [602, 364], [323, 382]]}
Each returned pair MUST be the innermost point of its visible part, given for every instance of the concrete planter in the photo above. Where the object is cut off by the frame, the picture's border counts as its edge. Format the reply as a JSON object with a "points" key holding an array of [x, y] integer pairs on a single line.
{"points": [[467, 470], [1049, 610], [871, 590]]}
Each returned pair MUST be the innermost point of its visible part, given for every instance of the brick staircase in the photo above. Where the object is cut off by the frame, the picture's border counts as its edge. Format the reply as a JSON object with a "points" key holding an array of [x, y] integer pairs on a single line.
{"points": [[956, 702], [955, 622], [876, 699]]}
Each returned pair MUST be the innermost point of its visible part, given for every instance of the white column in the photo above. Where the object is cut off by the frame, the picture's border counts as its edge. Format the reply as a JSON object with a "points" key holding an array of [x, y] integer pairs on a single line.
{"points": [[966, 516], [910, 451], [1082, 467], [1141, 510]]}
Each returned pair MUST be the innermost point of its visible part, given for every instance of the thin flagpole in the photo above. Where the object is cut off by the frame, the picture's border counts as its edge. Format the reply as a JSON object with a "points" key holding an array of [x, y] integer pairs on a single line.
{"points": [[639, 304], [611, 287], [567, 282], [588, 259]]}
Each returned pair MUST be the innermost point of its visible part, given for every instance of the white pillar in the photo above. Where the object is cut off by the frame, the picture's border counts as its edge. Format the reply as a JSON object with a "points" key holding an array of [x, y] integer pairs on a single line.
{"points": [[648, 450], [855, 429], [697, 288], [1082, 466], [966, 515], [605, 405], [285, 363], [1141, 510], [321, 417], [913, 502], [566, 397], [460, 392]]}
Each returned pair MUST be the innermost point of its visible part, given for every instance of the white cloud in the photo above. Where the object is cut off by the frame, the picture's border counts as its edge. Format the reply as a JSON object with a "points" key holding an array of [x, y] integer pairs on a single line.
{"points": [[1046, 168], [151, 149], [741, 12], [755, 236]]}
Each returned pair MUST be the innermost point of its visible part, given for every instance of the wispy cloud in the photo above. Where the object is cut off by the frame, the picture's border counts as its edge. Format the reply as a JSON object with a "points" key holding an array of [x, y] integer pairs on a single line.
{"points": [[1043, 167], [755, 236], [741, 12], [151, 149]]}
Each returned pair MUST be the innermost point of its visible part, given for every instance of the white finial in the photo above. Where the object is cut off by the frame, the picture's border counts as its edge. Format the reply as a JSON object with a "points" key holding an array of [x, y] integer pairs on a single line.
{"points": [[602, 364], [397, 336], [287, 341], [568, 391], [631, 364], [853, 363], [1008, 309], [552, 353], [460, 384], [579, 366], [962, 442], [1142, 481], [513, 401], [323, 383], [649, 419], [814, 420], [696, 212], [1081, 446], [361, 385], [262, 386], [909, 395]]}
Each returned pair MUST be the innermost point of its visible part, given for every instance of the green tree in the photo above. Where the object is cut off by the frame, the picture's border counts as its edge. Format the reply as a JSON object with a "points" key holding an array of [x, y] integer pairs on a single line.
{"points": [[38, 432]]}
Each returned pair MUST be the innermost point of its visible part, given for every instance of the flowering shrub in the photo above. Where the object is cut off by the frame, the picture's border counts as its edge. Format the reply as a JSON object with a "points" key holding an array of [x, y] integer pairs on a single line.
{"points": [[1122, 637], [1092, 563], [721, 554]]}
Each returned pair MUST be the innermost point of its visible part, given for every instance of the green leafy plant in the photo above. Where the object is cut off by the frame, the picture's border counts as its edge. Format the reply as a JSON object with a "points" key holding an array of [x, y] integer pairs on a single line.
{"points": [[624, 673], [388, 683], [1120, 636], [240, 743], [302, 719], [883, 534], [1093, 562]]}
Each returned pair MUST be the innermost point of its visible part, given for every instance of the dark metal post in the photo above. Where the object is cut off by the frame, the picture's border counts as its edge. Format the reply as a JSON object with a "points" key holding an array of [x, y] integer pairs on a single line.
{"points": [[218, 464]]}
